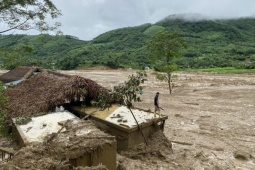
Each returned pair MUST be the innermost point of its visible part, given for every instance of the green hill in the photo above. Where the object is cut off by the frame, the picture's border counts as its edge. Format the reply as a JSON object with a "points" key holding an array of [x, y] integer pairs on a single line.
{"points": [[211, 43]]}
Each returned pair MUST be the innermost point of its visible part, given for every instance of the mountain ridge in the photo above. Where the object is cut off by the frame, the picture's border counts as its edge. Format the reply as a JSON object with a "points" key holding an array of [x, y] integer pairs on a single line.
{"points": [[211, 43]]}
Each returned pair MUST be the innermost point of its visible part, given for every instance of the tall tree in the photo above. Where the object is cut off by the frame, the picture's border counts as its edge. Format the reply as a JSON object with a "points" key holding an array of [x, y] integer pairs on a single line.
{"points": [[164, 48], [27, 14]]}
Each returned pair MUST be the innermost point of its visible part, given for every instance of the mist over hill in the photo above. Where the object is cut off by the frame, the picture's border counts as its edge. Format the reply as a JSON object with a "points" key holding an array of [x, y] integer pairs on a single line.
{"points": [[187, 17], [211, 43]]}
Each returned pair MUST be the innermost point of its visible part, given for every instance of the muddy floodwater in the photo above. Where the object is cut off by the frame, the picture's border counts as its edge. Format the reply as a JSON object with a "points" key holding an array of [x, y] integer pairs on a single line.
{"points": [[211, 121]]}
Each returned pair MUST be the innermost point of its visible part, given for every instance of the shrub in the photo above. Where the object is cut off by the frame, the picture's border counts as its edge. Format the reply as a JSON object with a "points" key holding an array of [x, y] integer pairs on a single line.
{"points": [[3, 109]]}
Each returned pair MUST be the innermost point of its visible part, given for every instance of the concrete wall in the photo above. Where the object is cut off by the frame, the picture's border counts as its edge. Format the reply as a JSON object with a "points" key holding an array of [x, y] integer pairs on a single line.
{"points": [[18, 136], [128, 137], [105, 155]]}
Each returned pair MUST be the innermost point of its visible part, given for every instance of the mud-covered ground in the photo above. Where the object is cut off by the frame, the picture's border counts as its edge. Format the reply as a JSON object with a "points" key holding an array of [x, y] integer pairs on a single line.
{"points": [[211, 121]]}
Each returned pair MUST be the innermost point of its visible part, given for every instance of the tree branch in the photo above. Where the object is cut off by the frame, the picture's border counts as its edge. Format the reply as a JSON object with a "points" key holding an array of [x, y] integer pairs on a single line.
{"points": [[14, 27]]}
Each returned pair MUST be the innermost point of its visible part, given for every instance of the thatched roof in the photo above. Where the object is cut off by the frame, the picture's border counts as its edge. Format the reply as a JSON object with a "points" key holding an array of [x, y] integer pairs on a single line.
{"points": [[46, 90], [20, 73]]}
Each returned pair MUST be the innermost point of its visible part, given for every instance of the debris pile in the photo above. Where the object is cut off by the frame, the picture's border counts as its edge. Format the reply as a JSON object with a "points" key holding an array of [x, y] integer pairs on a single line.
{"points": [[158, 149], [66, 150]]}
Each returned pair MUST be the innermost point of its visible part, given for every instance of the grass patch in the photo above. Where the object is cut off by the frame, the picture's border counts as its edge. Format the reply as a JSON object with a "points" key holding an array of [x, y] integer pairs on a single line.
{"points": [[222, 70]]}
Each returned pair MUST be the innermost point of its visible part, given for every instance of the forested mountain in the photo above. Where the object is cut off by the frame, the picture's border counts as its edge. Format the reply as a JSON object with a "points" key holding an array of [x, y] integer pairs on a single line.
{"points": [[211, 43]]}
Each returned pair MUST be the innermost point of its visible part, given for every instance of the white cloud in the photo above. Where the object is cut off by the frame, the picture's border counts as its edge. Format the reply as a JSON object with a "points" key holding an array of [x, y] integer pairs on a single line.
{"points": [[87, 19]]}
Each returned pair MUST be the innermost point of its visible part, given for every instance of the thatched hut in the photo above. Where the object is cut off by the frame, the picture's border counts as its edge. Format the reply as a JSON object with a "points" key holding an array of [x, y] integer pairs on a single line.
{"points": [[46, 90], [19, 74]]}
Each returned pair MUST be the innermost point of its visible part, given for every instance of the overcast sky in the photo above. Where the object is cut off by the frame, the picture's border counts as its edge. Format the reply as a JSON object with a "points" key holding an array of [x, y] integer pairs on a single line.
{"points": [[87, 19]]}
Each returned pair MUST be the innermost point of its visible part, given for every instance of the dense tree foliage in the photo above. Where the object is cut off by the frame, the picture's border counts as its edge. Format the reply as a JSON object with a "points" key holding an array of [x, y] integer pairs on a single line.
{"points": [[68, 63], [211, 43], [17, 57]]}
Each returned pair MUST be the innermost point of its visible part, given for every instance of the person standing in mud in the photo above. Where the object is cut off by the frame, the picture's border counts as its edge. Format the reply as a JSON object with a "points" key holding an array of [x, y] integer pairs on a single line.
{"points": [[156, 104]]}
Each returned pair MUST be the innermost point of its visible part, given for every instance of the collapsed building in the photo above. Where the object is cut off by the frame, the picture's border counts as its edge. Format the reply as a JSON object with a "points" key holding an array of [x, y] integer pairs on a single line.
{"points": [[39, 93], [77, 143]]}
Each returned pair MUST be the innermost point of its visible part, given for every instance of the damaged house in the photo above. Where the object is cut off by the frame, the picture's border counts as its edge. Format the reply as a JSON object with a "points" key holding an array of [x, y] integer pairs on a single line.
{"points": [[42, 91], [47, 90]]}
